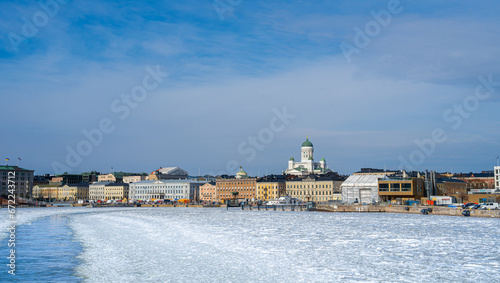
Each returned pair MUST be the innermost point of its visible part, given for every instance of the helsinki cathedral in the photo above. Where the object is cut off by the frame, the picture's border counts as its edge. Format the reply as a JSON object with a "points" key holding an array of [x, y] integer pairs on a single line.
{"points": [[306, 166]]}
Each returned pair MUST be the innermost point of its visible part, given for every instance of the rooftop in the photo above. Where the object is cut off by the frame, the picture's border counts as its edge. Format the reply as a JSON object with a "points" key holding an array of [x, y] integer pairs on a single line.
{"points": [[3, 167], [117, 185], [374, 170], [181, 181]]}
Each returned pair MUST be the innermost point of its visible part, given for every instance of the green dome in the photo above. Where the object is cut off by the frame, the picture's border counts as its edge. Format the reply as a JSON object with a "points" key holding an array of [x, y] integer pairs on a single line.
{"points": [[241, 173], [291, 159], [323, 159], [307, 143], [310, 158]]}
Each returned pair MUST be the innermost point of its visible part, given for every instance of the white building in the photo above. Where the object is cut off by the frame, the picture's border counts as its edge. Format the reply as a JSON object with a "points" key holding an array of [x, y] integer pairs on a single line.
{"points": [[360, 189], [306, 166], [97, 191], [497, 177], [165, 189]]}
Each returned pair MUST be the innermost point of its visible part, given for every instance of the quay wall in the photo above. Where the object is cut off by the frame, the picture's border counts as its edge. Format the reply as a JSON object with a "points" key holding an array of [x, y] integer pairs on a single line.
{"points": [[436, 210]]}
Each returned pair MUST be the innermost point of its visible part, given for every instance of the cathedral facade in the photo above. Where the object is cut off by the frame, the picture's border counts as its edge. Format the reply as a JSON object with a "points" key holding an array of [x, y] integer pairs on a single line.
{"points": [[306, 166]]}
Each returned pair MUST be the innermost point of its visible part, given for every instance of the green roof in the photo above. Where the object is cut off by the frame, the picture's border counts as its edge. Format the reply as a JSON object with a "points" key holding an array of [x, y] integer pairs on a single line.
{"points": [[307, 143], [3, 167], [291, 159], [322, 159], [310, 158]]}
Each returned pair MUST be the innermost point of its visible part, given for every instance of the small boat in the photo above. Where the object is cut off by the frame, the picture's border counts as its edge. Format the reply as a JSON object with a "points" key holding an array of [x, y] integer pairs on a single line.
{"points": [[285, 200], [233, 204]]}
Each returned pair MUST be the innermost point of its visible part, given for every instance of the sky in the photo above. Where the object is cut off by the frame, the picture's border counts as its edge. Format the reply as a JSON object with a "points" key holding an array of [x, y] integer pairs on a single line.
{"points": [[210, 86]]}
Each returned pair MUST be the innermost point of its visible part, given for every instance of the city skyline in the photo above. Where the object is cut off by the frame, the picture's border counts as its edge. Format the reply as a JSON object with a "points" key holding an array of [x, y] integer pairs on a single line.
{"points": [[139, 86]]}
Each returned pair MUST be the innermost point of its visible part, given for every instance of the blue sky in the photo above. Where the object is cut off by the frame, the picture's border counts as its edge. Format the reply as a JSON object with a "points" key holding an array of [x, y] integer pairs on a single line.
{"points": [[229, 73]]}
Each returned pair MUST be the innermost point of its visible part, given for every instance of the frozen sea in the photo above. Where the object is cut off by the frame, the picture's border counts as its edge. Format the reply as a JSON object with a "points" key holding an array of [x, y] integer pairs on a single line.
{"points": [[216, 245]]}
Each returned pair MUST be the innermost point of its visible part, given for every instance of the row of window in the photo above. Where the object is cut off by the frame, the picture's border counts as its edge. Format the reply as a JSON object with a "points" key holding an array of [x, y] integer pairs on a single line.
{"points": [[239, 195], [317, 186], [15, 183], [235, 183], [16, 178], [235, 189], [305, 193], [394, 185], [395, 190], [22, 174]]}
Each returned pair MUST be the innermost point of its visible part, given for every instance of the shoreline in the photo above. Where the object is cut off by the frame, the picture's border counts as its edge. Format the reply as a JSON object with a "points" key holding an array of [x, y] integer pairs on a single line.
{"points": [[402, 209]]}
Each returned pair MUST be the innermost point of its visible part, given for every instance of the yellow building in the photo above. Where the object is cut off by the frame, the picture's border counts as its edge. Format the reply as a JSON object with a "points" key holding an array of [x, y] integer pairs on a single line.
{"points": [[322, 189], [240, 188], [270, 190], [46, 192], [73, 192], [116, 191], [107, 178], [399, 190], [208, 192]]}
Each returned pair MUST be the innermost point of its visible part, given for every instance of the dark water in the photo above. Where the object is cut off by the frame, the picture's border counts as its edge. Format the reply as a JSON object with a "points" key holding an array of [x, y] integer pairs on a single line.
{"points": [[45, 252]]}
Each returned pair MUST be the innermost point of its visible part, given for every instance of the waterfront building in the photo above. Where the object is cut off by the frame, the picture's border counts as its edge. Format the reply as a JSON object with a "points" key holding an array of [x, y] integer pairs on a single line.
{"points": [[479, 197], [306, 166], [497, 177], [448, 187], [168, 173], [311, 188], [270, 189], [208, 192], [23, 181], [73, 192], [361, 188], [398, 190], [134, 179], [173, 190], [241, 188], [117, 191], [453, 187], [96, 191], [483, 180], [47, 192]]}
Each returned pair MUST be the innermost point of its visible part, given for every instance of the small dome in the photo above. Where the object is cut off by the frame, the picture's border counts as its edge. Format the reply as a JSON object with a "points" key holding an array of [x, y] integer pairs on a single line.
{"points": [[310, 158], [323, 159], [291, 159]]}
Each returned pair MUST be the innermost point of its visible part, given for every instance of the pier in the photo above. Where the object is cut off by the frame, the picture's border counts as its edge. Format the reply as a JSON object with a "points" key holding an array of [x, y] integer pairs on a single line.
{"points": [[276, 207]]}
